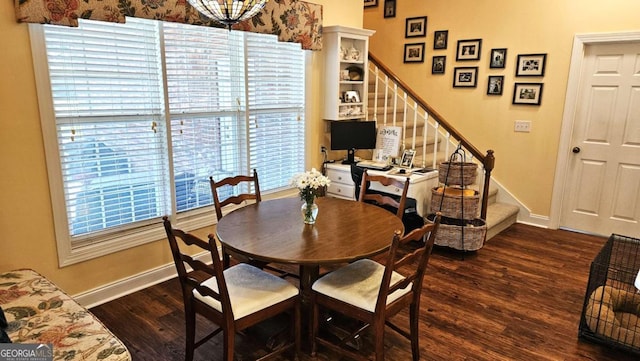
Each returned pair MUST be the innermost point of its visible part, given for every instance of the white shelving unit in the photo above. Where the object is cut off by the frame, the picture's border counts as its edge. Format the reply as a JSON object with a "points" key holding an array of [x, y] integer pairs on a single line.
{"points": [[346, 64]]}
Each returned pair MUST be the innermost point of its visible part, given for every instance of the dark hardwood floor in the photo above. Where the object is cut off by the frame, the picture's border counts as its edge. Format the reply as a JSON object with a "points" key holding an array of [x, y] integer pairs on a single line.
{"points": [[518, 298]]}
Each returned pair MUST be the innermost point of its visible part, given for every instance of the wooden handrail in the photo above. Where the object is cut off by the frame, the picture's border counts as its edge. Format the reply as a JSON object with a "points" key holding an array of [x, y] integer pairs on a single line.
{"points": [[487, 160]]}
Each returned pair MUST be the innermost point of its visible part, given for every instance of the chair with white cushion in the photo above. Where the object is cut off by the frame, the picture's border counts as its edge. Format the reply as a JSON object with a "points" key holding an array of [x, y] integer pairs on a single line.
{"points": [[234, 299], [372, 293]]}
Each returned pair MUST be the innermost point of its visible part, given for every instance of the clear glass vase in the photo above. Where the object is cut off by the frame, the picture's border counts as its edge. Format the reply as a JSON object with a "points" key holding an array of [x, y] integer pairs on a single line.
{"points": [[309, 212]]}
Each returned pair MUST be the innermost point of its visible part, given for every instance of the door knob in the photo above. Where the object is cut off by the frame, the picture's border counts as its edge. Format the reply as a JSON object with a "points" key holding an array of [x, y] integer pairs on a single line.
{"points": [[576, 150]]}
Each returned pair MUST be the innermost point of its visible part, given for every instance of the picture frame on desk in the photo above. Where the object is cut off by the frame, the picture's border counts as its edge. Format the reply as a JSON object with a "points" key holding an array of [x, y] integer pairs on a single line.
{"points": [[407, 158]]}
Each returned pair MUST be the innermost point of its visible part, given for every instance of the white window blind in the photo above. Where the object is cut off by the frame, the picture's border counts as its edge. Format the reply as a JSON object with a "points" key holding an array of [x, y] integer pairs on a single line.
{"points": [[276, 106], [235, 101], [206, 87], [107, 95]]}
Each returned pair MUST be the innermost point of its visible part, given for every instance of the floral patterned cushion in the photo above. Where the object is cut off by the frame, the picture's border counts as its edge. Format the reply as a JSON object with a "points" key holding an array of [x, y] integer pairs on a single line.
{"points": [[38, 311]]}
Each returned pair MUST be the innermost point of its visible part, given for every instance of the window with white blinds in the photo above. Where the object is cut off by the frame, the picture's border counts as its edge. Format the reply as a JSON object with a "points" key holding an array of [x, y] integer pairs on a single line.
{"points": [[146, 111]]}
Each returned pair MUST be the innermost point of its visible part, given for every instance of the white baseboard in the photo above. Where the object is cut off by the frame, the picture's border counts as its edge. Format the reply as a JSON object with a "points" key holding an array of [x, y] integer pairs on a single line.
{"points": [[524, 214], [125, 286]]}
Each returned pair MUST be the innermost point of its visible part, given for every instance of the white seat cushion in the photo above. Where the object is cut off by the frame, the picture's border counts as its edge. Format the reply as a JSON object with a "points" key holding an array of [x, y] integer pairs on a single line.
{"points": [[358, 284], [250, 290]]}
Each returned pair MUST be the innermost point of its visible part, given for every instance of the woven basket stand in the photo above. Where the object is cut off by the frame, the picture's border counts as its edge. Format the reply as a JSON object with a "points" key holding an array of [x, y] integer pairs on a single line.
{"points": [[459, 222]]}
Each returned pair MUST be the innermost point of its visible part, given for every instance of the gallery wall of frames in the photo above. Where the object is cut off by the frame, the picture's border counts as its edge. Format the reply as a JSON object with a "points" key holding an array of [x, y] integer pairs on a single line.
{"points": [[529, 69]]}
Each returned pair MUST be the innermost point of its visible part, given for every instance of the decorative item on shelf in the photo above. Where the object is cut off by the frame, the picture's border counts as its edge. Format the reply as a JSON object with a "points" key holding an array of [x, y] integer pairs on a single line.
{"points": [[228, 12], [355, 73], [344, 53], [351, 96], [353, 54], [311, 184], [350, 111]]}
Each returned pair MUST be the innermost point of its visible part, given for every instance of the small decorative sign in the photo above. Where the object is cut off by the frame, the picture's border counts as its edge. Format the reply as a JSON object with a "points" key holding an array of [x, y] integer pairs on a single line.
{"points": [[387, 143]]}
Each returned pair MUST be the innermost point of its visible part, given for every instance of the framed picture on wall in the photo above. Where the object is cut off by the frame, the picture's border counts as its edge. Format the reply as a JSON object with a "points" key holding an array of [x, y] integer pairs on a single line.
{"points": [[438, 64], [530, 64], [389, 8], [527, 93], [368, 3], [465, 77], [498, 58], [469, 49], [495, 84], [414, 53], [416, 27], [440, 38]]}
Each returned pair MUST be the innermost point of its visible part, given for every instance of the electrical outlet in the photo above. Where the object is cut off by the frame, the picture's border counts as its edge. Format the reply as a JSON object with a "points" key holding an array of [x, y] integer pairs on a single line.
{"points": [[522, 126], [323, 149]]}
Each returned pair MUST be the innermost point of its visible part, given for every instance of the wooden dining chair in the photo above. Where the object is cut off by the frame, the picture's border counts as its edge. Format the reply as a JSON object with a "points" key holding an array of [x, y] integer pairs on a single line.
{"points": [[234, 298], [239, 186], [371, 293], [236, 185], [385, 200]]}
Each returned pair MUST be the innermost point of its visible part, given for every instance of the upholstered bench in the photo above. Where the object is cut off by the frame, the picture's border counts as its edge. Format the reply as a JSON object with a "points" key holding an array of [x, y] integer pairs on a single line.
{"points": [[38, 311]]}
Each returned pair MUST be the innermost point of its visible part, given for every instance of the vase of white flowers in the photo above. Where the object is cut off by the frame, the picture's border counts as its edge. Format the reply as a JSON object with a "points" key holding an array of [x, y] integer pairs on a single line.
{"points": [[311, 184]]}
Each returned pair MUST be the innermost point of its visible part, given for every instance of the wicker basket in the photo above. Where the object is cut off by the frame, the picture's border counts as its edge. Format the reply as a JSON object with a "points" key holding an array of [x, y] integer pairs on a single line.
{"points": [[455, 204], [450, 233], [457, 173]]}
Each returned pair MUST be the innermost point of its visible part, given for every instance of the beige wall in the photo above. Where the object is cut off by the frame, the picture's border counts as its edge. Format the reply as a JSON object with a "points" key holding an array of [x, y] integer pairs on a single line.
{"points": [[525, 163], [27, 239]]}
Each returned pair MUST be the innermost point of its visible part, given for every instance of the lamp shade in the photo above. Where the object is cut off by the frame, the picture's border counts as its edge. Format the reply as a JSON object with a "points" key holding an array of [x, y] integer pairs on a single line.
{"points": [[228, 12]]}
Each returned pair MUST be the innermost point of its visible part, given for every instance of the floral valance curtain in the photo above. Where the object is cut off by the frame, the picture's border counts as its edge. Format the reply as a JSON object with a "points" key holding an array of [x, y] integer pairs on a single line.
{"points": [[292, 20]]}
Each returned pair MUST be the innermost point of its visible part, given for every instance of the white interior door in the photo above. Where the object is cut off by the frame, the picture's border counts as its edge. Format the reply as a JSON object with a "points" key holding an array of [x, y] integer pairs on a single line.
{"points": [[602, 192]]}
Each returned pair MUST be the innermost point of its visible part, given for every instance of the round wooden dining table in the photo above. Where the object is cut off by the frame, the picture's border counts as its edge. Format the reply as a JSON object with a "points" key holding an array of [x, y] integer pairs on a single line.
{"points": [[273, 231]]}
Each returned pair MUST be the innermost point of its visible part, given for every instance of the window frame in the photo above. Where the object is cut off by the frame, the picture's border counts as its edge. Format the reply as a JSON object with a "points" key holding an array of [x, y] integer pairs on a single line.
{"points": [[148, 232]]}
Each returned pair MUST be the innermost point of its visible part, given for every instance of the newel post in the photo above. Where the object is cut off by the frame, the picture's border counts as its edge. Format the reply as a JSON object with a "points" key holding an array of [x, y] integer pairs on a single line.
{"points": [[488, 163]]}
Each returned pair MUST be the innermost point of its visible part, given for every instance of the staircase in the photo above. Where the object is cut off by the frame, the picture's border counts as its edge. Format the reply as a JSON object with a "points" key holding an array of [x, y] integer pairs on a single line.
{"points": [[392, 103]]}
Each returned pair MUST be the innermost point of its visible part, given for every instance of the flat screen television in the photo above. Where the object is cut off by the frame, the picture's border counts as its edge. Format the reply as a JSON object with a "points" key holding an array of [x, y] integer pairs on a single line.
{"points": [[351, 135]]}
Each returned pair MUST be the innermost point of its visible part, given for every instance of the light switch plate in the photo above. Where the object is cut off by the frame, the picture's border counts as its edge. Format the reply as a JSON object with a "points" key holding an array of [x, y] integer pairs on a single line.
{"points": [[522, 126]]}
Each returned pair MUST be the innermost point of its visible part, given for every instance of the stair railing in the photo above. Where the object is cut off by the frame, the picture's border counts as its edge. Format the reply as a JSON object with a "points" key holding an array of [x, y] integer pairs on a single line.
{"points": [[421, 121]]}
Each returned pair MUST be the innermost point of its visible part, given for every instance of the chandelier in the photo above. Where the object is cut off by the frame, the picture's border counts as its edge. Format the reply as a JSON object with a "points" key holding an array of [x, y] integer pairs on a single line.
{"points": [[228, 12]]}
